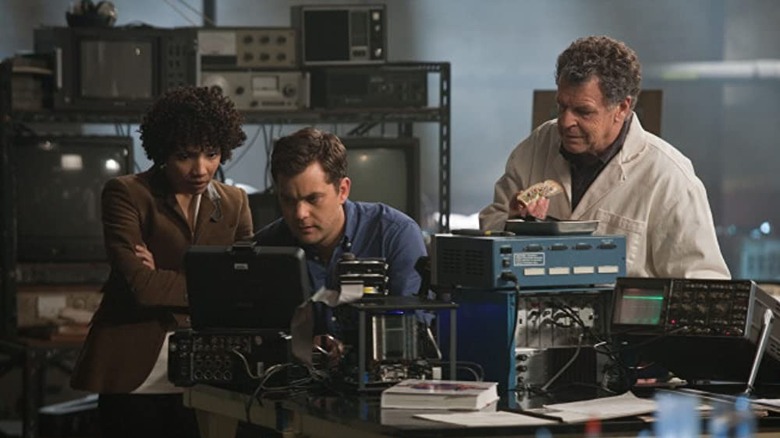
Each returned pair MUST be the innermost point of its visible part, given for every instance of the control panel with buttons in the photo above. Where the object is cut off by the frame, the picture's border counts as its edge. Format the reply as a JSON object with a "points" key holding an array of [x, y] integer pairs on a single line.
{"points": [[487, 262], [699, 329], [225, 357]]}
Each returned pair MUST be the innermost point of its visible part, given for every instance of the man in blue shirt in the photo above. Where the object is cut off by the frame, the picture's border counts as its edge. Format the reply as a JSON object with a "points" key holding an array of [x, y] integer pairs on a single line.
{"points": [[309, 169]]}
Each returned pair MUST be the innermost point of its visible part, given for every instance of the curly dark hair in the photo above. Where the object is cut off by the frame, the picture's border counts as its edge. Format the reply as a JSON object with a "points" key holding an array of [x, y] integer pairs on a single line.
{"points": [[614, 63], [191, 116], [292, 154]]}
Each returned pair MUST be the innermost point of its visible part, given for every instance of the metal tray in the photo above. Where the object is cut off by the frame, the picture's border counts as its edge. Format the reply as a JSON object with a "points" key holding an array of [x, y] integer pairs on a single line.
{"points": [[550, 228]]}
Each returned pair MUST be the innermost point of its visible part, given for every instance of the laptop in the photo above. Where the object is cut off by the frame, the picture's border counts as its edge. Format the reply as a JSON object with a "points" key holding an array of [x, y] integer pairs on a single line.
{"points": [[245, 286]]}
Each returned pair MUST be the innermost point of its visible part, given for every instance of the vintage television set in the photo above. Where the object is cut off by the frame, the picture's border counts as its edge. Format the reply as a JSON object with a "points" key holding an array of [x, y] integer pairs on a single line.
{"points": [[341, 34], [116, 68], [385, 170], [59, 180]]}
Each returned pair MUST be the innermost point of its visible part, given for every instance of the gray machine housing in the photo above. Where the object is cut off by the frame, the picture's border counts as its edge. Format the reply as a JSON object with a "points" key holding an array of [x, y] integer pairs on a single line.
{"points": [[489, 262]]}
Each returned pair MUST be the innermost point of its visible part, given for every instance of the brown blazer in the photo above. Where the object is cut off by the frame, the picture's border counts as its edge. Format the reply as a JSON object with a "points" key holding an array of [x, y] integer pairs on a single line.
{"points": [[139, 304]]}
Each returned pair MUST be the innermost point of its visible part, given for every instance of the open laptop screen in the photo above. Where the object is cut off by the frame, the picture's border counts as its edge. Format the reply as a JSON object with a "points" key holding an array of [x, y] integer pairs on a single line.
{"points": [[245, 286]]}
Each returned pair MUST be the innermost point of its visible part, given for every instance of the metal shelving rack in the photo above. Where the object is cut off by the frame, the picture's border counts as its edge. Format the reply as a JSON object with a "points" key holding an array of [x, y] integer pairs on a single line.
{"points": [[405, 118], [34, 368], [7, 209]]}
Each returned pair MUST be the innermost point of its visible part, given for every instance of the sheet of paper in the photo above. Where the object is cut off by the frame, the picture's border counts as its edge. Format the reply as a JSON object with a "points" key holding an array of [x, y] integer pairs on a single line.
{"points": [[772, 404], [349, 293], [602, 408], [482, 419], [576, 412]]}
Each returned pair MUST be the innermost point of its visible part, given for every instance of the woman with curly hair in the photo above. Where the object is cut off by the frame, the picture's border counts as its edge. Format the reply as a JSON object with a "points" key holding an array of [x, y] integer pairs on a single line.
{"points": [[149, 221]]}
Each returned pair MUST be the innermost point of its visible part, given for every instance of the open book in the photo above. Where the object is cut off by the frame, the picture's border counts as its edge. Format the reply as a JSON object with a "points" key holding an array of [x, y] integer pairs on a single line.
{"points": [[440, 394]]}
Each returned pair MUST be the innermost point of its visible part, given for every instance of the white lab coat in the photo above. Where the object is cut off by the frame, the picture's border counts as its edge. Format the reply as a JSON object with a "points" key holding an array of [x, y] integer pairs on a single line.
{"points": [[647, 192]]}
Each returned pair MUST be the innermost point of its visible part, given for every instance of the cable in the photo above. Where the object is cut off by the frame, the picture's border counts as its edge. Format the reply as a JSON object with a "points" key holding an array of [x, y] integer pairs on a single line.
{"points": [[625, 371], [589, 330], [469, 369], [235, 160], [270, 372], [200, 14], [361, 129], [600, 347], [246, 364], [474, 367], [433, 342], [511, 277], [269, 149], [248, 405], [653, 339], [565, 366], [180, 12], [560, 305]]}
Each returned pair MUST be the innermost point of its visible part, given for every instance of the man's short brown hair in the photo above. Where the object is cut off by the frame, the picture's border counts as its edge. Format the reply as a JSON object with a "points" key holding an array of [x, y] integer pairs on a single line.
{"points": [[292, 154]]}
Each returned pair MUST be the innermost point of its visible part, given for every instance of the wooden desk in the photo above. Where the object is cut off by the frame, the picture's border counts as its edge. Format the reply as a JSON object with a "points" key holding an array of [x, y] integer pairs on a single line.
{"points": [[34, 356]]}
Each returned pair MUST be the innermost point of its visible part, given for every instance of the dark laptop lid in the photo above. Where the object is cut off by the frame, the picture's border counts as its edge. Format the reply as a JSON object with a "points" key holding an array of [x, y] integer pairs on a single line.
{"points": [[245, 286]]}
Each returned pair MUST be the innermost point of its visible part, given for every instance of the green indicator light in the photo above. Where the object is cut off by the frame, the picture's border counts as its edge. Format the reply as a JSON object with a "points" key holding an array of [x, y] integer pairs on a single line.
{"points": [[639, 297]]}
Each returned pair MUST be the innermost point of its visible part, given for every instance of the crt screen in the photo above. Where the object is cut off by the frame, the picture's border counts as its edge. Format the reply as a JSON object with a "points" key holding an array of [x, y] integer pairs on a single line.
{"points": [[636, 306], [379, 175], [326, 35], [59, 184], [117, 69]]}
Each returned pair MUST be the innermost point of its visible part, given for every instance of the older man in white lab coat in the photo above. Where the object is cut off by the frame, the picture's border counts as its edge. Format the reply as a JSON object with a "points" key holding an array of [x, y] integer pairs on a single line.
{"points": [[612, 170]]}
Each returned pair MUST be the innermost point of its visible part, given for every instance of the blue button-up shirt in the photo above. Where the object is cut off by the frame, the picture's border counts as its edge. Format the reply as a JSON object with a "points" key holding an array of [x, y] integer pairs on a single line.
{"points": [[372, 230]]}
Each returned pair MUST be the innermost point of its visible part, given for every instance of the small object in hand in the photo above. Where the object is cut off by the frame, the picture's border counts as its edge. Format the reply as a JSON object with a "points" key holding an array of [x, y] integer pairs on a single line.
{"points": [[544, 189]]}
